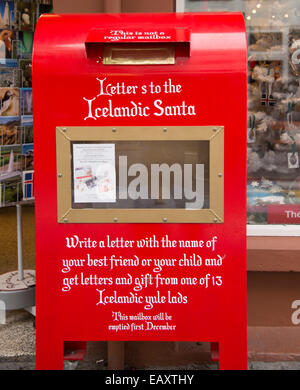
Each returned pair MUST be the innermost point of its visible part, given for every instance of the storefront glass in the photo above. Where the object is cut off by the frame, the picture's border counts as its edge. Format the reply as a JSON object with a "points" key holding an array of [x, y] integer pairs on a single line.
{"points": [[273, 131]]}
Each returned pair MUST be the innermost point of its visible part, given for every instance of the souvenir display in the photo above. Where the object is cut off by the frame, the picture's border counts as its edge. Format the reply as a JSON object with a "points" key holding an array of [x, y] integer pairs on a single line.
{"points": [[273, 160], [17, 24], [9, 77], [26, 15], [273, 131], [274, 101], [265, 41]]}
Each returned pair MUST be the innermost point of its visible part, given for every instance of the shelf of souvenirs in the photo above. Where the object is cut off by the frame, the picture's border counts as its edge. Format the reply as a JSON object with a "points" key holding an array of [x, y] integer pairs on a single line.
{"points": [[281, 55], [283, 126], [266, 179], [279, 146], [263, 192]]}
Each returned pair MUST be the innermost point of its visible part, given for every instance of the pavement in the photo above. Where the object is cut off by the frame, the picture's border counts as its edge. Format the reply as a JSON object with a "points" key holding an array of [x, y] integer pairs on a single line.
{"points": [[17, 351], [17, 341]]}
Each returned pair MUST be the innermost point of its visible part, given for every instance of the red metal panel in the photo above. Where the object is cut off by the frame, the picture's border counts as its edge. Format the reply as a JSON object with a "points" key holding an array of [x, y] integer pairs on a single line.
{"points": [[213, 79]]}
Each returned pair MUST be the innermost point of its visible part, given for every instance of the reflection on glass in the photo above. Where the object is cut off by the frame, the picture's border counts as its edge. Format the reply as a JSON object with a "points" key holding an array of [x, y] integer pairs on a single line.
{"points": [[140, 174], [273, 131]]}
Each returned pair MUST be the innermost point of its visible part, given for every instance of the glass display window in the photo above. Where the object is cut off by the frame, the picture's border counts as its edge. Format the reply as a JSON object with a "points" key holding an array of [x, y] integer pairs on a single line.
{"points": [[273, 130]]}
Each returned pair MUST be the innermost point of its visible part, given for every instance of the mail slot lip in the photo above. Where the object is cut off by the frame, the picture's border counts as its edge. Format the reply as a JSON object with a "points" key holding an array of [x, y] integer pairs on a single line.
{"points": [[143, 46], [130, 35]]}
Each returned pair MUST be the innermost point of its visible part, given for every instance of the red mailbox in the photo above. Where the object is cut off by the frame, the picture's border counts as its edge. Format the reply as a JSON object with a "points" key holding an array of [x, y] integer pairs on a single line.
{"points": [[140, 153]]}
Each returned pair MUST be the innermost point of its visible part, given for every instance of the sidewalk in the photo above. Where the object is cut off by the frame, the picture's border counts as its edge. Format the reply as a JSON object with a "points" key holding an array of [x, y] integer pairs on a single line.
{"points": [[17, 342]]}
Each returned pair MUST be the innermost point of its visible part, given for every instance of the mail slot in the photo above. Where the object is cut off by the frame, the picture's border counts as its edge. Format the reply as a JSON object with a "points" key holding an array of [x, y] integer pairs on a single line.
{"points": [[139, 54], [140, 155]]}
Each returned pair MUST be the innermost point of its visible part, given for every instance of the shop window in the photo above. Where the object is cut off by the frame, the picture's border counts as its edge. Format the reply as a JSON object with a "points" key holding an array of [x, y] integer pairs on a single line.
{"points": [[273, 131]]}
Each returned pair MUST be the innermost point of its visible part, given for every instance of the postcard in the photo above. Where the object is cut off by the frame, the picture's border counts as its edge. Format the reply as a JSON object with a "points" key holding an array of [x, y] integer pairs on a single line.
{"points": [[9, 131], [9, 77], [7, 37], [27, 134], [9, 102], [27, 157], [25, 42], [26, 15], [10, 162], [7, 14], [26, 101], [26, 73], [28, 185], [10, 191]]}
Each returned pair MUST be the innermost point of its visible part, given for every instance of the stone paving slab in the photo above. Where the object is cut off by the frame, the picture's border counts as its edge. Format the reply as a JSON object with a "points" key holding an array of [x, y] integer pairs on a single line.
{"points": [[17, 336]]}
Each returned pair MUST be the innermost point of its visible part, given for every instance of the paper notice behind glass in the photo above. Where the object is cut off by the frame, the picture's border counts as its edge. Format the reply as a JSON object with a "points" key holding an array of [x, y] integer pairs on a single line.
{"points": [[94, 173]]}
